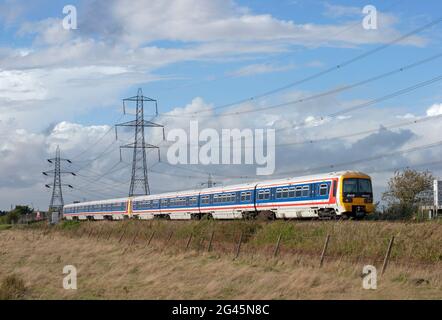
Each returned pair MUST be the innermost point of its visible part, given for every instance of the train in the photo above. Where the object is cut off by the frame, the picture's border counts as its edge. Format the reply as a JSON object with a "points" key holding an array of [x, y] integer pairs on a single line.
{"points": [[344, 194]]}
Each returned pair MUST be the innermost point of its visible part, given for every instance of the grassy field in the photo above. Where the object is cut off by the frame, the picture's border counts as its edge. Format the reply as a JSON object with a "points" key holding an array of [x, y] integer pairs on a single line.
{"points": [[116, 260]]}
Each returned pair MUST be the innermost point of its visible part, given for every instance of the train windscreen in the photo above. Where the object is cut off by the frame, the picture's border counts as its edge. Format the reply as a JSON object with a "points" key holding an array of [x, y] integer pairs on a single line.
{"points": [[357, 187]]}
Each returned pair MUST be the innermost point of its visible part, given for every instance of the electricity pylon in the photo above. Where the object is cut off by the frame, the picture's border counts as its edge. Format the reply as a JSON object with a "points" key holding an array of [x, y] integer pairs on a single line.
{"points": [[139, 184], [210, 183], [57, 202]]}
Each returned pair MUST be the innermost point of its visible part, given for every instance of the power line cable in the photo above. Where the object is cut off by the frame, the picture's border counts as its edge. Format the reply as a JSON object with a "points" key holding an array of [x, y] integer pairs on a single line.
{"points": [[326, 71]]}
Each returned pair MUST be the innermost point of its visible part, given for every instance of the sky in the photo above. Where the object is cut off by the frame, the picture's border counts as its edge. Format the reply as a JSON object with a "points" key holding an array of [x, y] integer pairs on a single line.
{"points": [[218, 62]]}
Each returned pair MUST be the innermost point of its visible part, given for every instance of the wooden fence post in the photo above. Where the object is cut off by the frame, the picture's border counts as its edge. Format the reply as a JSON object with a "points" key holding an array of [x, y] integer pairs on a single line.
{"points": [[188, 241], [109, 234], [170, 237], [135, 238], [150, 239], [90, 232], [132, 242], [275, 252], [122, 235], [209, 248], [99, 233], [324, 250], [387, 255], [238, 248]]}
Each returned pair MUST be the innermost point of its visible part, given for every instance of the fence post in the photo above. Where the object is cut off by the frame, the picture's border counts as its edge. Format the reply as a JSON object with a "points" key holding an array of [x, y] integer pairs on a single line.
{"points": [[275, 252], [209, 248], [324, 250], [99, 233], [122, 235], [387, 255], [238, 248], [150, 239], [132, 242], [170, 237], [188, 241], [135, 238], [109, 234], [90, 232]]}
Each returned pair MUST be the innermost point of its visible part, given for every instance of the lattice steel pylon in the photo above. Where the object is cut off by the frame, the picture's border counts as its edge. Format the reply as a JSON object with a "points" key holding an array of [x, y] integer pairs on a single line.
{"points": [[57, 202], [210, 183], [139, 184]]}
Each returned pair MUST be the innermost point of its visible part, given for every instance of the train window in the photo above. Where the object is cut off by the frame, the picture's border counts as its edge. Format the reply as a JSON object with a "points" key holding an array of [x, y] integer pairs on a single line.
{"points": [[267, 194], [278, 193], [205, 199], [285, 192], [298, 192], [305, 191], [323, 189], [261, 195], [246, 196], [291, 192], [192, 201]]}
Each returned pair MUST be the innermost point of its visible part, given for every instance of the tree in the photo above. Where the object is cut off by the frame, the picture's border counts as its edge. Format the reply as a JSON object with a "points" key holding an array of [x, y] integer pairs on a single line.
{"points": [[23, 210], [403, 191], [14, 215]]}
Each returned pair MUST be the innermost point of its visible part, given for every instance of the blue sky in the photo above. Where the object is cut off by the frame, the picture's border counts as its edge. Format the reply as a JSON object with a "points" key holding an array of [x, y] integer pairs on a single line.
{"points": [[66, 86]]}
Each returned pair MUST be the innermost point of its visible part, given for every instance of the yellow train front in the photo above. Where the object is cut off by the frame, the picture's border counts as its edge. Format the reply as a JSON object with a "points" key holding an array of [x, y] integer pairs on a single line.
{"points": [[355, 195]]}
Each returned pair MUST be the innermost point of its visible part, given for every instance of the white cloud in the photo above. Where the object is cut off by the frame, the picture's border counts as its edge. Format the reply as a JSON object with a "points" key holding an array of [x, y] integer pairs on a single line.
{"points": [[21, 85], [434, 110]]}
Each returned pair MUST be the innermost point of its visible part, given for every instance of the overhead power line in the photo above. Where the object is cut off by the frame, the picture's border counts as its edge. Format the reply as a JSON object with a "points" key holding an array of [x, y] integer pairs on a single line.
{"points": [[326, 71]]}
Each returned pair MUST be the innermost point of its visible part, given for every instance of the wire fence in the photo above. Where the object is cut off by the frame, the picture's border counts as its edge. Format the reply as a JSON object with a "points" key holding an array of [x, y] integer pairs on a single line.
{"points": [[318, 250]]}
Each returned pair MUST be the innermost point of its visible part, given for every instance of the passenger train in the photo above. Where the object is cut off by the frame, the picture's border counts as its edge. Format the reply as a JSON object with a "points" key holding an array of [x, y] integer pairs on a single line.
{"points": [[346, 194]]}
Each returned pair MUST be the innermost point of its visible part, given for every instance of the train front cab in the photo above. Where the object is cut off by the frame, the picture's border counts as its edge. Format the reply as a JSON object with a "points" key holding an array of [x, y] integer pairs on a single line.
{"points": [[356, 195]]}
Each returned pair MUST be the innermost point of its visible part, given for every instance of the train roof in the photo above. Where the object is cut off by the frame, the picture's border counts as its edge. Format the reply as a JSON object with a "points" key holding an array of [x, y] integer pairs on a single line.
{"points": [[309, 178], [91, 203]]}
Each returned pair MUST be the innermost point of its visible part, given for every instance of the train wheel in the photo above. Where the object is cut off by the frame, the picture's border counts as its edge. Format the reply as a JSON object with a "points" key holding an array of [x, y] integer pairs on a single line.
{"points": [[266, 215], [206, 216]]}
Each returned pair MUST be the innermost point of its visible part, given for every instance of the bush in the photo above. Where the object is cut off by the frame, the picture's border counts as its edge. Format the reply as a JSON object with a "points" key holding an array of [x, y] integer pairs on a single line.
{"points": [[12, 288], [70, 225]]}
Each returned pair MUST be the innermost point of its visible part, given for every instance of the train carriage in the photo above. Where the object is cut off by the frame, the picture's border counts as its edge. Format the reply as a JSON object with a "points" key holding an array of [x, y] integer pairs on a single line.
{"points": [[337, 194], [117, 209]]}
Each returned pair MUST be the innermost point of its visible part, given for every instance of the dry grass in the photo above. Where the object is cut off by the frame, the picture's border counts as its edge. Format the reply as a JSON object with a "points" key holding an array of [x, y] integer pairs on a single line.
{"points": [[108, 269], [417, 243], [12, 288]]}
